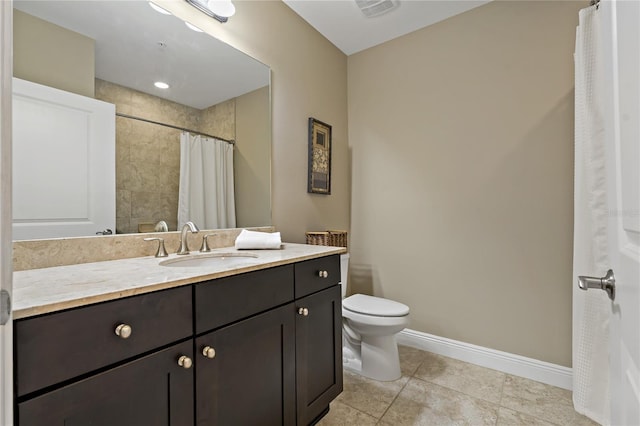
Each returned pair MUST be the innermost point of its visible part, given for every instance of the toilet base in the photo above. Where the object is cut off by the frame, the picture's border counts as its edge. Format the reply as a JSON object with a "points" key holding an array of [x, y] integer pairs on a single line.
{"points": [[376, 357]]}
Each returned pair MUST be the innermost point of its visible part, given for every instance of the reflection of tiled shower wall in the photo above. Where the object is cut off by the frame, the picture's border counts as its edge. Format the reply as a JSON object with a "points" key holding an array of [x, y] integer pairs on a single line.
{"points": [[148, 155]]}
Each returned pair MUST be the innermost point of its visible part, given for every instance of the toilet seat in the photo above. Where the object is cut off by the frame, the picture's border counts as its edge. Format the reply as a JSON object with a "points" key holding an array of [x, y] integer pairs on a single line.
{"points": [[374, 306]]}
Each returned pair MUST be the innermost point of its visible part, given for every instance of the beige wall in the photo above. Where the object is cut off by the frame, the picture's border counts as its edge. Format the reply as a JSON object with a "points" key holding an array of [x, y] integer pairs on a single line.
{"points": [[220, 119], [253, 174], [462, 146], [309, 79], [51, 55]]}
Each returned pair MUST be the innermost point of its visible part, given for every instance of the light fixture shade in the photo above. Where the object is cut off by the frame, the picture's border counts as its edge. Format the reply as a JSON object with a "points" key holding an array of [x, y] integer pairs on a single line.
{"points": [[192, 27], [159, 9], [222, 8]]}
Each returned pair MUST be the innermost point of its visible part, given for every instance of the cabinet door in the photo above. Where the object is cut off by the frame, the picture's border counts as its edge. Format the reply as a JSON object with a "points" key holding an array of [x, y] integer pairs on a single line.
{"points": [[251, 378], [153, 390], [318, 353]]}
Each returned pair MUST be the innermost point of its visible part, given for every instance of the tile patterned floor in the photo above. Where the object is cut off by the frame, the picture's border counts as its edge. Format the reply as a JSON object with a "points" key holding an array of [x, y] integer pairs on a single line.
{"points": [[438, 391]]}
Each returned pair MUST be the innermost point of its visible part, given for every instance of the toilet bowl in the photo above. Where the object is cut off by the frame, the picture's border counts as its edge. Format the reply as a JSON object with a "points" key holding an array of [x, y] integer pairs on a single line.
{"points": [[369, 326]]}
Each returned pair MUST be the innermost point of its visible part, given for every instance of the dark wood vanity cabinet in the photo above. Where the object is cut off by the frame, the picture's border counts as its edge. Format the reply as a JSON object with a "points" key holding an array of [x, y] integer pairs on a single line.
{"points": [[152, 390], [318, 336], [251, 378], [259, 348], [72, 368], [318, 353]]}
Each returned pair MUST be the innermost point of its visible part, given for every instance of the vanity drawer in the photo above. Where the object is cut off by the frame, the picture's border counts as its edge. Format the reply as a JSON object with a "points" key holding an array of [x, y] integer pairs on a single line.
{"points": [[229, 299], [316, 274], [53, 348]]}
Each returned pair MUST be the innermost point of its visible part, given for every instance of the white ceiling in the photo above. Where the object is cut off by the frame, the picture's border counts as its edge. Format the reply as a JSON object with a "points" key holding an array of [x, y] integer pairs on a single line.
{"points": [[342, 22], [201, 70]]}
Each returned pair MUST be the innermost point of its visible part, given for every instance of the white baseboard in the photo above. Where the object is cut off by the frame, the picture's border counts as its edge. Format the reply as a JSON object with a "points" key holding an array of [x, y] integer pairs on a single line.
{"points": [[517, 365]]}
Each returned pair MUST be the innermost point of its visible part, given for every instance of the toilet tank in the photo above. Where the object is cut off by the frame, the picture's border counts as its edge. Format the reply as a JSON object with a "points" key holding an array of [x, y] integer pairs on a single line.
{"points": [[344, 272]]}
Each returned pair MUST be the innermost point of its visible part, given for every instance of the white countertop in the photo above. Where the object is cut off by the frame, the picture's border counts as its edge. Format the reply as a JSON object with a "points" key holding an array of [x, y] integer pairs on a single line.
{"points": [[40, 291]]}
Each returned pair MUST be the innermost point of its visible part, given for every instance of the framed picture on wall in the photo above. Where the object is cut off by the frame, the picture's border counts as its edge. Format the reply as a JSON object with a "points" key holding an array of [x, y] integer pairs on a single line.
{"points": [[319, 178]]}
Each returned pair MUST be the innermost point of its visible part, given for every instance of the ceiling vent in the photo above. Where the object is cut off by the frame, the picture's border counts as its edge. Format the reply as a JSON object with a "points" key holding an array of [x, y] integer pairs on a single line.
{"points": [[371, 8]]}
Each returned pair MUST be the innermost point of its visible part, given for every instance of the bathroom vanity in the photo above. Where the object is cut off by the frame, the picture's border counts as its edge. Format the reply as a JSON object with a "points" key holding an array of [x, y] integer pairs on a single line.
{"points": [[255, 344]]}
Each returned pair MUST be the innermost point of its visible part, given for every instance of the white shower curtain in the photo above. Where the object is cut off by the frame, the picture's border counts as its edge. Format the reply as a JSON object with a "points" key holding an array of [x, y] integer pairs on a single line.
{"points": [[591, 309], [206, 194]]}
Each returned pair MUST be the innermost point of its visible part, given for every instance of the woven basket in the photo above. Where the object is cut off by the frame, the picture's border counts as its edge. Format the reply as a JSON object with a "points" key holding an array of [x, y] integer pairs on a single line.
{"points": [[318, 238], [328, 238], [338, 238]]}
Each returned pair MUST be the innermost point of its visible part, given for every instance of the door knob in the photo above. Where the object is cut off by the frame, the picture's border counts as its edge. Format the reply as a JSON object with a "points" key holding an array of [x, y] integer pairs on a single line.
{"points": [[606, 283], [303, 311]]}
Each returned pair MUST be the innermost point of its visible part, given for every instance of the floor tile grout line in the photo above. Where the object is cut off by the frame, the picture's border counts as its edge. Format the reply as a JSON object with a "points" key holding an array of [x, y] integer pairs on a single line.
{"points": [[504, 380], [359, 410], [394, 398], [532, 416], [411, 376]]}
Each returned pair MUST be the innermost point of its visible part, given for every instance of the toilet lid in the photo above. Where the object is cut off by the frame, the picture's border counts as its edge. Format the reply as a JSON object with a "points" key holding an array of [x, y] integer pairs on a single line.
{"points": [[377, 306]]}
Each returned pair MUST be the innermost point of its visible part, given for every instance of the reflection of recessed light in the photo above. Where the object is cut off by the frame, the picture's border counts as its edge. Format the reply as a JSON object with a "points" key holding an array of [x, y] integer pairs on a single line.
{"points": [[159, 9], [161, 85], [193, 27]]}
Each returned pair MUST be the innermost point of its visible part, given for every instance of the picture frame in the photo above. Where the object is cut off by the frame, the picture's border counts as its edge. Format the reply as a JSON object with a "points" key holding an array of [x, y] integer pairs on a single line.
{"points": [[319, 175]]}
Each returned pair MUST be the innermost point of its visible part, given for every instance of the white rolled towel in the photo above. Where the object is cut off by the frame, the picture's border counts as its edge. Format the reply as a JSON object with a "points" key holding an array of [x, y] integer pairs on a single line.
{"points": [[248, 240]]}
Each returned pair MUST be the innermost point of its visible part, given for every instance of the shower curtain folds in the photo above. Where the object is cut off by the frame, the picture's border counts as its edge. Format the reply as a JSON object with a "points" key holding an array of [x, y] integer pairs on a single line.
{"points": [[591, 309], [206, 194]]}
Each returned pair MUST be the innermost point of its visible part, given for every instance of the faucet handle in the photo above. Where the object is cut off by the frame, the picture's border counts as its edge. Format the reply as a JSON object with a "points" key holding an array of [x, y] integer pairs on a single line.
{"points": [[205, 245], [161, 250]]}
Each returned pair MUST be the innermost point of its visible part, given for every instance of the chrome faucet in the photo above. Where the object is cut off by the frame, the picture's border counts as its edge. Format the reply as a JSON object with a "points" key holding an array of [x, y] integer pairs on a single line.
{"points": [[184, 247]]}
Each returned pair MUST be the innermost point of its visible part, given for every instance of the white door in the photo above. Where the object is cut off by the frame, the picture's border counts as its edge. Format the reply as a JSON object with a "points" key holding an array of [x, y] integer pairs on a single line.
{"points": [[623, 187], [63, 163]]}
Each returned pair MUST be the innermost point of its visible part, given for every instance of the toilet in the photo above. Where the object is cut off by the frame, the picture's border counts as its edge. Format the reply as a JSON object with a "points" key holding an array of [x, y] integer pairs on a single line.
{"points": [[369, 328]]}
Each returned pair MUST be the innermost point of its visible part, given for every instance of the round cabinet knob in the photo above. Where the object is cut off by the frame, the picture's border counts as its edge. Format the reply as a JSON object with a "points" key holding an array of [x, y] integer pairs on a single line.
{"points": [[185, 362], [303, 311], [124, 331], [209, 352], [323, 274]]}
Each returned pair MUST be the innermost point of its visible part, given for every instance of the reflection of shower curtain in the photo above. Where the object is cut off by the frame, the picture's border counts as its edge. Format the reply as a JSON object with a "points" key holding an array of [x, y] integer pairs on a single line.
{"points": [[206, 183], [590, 308]]}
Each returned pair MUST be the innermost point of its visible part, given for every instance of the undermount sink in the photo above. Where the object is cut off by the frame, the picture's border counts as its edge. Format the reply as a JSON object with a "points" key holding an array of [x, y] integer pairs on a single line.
{"points": [[227, 260]]}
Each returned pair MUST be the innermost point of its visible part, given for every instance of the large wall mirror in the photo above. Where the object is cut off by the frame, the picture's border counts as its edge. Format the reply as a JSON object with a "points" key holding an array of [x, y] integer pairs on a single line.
{"points": [[115, 51]]}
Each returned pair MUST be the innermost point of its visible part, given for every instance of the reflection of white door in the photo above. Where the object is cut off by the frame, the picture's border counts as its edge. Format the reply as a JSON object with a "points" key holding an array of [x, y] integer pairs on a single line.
{"points": [[63, 163], [622, 24]]}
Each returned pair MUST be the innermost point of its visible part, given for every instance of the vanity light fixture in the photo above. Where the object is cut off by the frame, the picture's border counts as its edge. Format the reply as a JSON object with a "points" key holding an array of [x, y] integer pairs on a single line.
{"points": [[219, 10], [161, 85], [224, 8], [158, 8]]}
